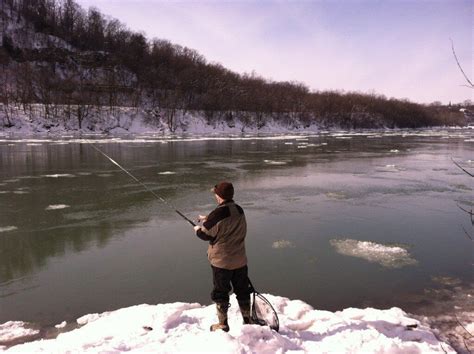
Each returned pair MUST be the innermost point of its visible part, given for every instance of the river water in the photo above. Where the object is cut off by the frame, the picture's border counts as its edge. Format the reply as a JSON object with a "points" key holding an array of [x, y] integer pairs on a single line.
{"points": [[335, 219]]}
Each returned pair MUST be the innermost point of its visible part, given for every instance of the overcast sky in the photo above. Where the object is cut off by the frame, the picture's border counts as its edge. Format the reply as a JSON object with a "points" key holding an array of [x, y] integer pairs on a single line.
{"points": [[398, 48]]}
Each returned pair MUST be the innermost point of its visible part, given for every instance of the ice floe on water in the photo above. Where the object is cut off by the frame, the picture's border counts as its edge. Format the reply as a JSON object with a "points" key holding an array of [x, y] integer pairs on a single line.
{"points": [[21, 191], [184, 327], [61, 325], [389, 256], [167, 173], [58, 175], [7, 228], [336, 195], [274, 162], [84, 173], [283, 244], [12, 330], [56, 206], [28, 177], [389, 168], [446, 280], [105, 175], [394, 150]]}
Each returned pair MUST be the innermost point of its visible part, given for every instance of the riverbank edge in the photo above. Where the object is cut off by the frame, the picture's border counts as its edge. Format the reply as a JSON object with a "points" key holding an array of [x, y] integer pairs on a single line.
{"points": [[179, 325]]}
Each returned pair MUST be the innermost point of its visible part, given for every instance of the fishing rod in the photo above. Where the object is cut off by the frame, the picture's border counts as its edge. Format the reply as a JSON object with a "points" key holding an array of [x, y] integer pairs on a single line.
{"points": [[144, 186]]}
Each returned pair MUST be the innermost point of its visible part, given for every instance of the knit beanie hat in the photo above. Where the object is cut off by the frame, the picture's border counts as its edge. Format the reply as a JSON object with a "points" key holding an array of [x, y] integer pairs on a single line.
{"points": [[225, 190]]}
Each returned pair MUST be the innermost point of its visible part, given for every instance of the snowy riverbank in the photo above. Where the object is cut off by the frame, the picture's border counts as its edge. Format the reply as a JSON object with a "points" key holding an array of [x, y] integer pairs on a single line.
{"points": [[184, 327], [129, 120]]}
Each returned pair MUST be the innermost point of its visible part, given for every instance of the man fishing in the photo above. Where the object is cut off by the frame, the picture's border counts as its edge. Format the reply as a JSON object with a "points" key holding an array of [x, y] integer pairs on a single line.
{"points": [[225, 229]]}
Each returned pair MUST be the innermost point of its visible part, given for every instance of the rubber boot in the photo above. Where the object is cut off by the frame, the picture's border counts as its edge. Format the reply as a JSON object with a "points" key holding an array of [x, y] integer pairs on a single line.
{"points": [[222, 316], [245, 311]]}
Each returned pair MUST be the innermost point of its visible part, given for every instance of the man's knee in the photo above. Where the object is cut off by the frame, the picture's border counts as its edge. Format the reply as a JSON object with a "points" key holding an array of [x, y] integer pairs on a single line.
{"points": [[221, 279], [219, 296], [241, 285]]}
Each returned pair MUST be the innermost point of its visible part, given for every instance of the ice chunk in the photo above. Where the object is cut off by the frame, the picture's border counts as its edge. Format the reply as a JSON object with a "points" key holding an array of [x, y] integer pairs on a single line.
{"points": [[88, 318], [57, 206], [445, 280], [12, 330], [61, 325], [57, 175], [395, 150], [336, 195], [167, 173], [20, 191], [11, 180], [7, 228], [273, 162], [282, 244], [28, 177], [388, 256]]}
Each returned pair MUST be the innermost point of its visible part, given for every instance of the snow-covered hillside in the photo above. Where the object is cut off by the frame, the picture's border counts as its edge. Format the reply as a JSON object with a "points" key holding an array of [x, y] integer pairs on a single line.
{"points": [[184, 327], [126, 120]]}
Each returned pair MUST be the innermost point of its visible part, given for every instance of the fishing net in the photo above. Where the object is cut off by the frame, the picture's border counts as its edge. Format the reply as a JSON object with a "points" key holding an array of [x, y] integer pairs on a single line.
{"points": [[262, 312]]}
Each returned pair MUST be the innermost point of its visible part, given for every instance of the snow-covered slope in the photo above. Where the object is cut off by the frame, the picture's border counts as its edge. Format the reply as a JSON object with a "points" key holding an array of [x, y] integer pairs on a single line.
{"points": [[126, 120], [184, 327]]}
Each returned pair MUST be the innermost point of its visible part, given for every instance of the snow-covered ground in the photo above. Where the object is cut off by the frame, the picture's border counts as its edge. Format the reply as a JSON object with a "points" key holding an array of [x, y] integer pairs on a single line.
{"points": [[129, 120], [184, 327]]}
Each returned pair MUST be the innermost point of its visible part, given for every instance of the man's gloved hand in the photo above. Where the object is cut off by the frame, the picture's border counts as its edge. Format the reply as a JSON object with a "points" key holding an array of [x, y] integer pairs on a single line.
{"points": [[197, 227]]}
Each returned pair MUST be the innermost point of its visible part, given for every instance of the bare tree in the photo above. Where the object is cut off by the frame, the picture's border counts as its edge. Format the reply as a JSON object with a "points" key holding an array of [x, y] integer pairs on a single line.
{"points": [[470, 84]]}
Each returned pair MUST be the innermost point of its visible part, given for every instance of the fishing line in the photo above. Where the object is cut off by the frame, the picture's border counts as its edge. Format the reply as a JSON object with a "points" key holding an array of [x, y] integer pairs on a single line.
{"points": [[143, 185]]}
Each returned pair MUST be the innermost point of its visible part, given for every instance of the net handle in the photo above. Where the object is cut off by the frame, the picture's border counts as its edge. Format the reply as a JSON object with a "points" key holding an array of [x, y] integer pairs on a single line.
{"points": [[252, 289]]}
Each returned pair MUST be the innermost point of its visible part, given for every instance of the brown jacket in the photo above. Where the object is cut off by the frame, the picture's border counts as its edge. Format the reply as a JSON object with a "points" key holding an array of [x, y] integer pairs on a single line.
{"points": [[225, 228]]}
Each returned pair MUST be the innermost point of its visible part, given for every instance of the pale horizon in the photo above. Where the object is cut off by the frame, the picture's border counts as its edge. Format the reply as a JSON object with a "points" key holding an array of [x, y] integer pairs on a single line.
{"points": [[398, 49]]}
